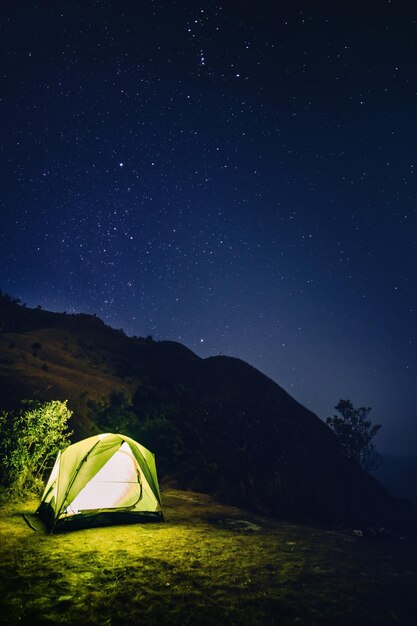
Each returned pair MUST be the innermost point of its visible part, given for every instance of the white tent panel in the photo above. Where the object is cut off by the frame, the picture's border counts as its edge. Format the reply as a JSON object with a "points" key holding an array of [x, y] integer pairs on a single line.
{"points": [[116, 485]]}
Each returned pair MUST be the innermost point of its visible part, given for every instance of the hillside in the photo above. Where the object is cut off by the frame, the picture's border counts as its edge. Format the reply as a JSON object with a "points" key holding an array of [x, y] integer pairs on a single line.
{"points": [[399, 474], [216, 425]]}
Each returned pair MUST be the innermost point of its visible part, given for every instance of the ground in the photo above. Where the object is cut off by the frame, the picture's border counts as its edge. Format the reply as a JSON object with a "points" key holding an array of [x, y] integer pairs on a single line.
{"points": [[208, 564]]}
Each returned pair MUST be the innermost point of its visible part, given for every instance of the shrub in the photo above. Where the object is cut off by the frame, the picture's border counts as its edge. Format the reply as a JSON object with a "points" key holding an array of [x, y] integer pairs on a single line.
{"points": [[116, 415], [29, 440], [161, 436]]}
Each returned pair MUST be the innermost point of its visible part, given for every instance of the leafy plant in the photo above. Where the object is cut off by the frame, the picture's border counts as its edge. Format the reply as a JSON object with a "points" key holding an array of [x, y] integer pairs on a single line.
{"points": [[161, 436], [116, 415], [29, 440]]}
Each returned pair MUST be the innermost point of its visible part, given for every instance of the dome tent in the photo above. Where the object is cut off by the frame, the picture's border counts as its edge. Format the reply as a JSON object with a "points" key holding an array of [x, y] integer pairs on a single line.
{"points": [[105, 479]]}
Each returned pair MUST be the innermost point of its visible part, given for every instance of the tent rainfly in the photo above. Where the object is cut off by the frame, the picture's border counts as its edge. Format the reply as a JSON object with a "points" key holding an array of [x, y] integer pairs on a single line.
{"points": [[104, 479]]}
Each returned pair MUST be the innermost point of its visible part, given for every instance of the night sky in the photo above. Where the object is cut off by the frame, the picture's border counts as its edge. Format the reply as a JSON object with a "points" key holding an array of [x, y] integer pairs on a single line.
{"points": [[239, 177]]}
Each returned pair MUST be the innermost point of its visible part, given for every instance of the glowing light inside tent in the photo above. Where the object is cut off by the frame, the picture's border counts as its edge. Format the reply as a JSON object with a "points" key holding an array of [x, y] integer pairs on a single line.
{"points": [[115, 485]]}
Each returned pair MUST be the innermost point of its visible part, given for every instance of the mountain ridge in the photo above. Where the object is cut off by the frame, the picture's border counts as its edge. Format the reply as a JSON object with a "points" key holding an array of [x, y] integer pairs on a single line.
{"points": [[216, 424]]}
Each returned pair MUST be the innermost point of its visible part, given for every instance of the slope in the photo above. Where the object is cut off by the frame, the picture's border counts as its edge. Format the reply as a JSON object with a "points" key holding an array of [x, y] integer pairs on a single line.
{"points": [[215, 424]]}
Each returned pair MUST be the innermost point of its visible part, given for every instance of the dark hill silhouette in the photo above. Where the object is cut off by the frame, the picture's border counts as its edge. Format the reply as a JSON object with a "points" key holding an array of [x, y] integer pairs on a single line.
{"points": [[215, 424], [399, 474]]}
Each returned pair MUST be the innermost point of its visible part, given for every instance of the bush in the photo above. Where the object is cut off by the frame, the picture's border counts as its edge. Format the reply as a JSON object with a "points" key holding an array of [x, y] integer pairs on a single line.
{"points": [[29, 440], [115, 415], [161, 436]]}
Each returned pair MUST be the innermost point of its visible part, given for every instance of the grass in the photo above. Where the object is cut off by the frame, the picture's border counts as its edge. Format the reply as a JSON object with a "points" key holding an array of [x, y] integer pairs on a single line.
{"points": [[207, 564]]}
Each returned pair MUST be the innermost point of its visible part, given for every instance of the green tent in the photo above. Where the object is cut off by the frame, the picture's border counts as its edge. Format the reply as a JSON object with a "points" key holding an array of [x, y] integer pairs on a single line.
{"points": [[104, 479]]}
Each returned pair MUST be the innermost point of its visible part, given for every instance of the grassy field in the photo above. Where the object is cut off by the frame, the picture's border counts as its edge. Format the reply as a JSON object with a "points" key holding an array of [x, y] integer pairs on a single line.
{"points": [[207, 564]]}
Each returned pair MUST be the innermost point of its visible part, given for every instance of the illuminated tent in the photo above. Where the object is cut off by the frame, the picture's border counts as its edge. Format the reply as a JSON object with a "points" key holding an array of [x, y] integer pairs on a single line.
{"points": [[104, 479]]}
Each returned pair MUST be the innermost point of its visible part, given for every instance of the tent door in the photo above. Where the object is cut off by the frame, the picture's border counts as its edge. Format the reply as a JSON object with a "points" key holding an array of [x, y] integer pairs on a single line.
{"points": [[116, 485]]}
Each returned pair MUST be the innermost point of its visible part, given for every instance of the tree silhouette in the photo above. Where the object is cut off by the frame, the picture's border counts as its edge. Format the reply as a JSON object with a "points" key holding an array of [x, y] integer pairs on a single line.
{"points": [[355, 432]]}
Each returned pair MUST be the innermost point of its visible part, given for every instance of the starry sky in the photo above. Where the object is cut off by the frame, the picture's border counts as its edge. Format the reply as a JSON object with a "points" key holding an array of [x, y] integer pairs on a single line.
{"points": [[236, 176]]}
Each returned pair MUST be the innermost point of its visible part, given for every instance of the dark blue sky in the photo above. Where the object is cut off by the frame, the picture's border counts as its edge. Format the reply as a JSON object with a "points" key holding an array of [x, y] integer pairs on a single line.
{"points": [[235, 176]]}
